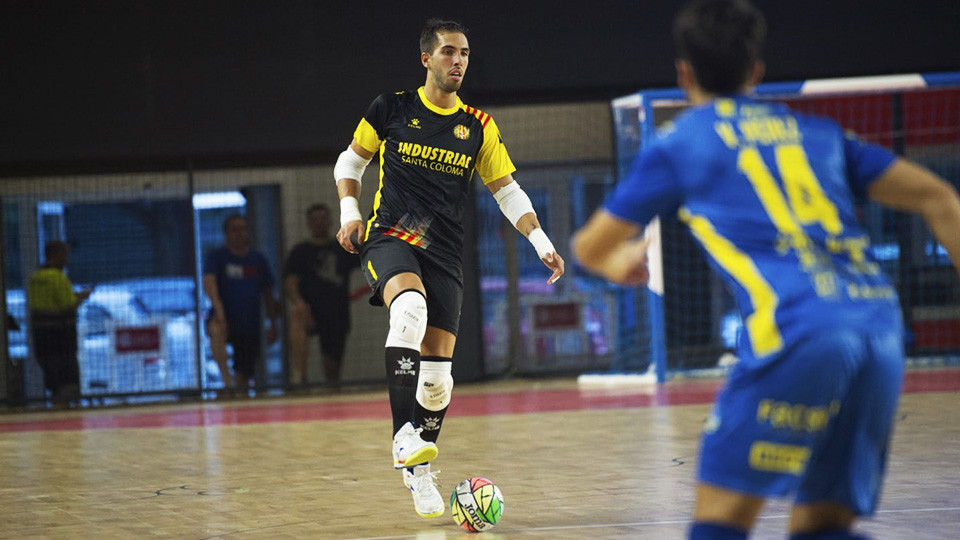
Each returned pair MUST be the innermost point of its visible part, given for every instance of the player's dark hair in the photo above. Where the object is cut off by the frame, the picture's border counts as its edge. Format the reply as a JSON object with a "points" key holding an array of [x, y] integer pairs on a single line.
{"points": [[428, 36], [721, 39]]}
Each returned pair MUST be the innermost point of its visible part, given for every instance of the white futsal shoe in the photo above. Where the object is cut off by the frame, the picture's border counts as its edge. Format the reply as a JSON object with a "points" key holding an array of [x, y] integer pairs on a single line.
{"points": [[410, 449], [423, 486]]}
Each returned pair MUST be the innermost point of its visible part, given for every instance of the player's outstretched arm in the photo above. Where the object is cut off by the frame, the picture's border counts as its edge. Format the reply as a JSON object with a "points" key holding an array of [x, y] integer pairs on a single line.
{"points": [[348, 173], [609, 247], [516, 206], [909, 187]]}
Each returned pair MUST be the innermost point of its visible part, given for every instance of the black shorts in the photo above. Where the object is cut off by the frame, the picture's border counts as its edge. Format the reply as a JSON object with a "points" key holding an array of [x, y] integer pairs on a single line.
{"points": [[246, 346], [55, 348], [246, 352], [332, 327], [382, 257]]}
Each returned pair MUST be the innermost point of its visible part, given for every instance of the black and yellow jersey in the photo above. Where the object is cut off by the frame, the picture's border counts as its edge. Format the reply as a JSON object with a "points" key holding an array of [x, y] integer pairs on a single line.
{"points": [[427, 158]]}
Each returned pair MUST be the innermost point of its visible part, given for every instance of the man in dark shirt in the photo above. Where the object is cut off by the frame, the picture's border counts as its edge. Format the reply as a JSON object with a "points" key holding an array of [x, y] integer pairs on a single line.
{"points": [[316, 282]]}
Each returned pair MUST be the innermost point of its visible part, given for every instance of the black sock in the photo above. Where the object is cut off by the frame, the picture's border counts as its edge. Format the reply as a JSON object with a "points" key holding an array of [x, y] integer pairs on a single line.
{"points": [[403, 365], [429, 420]]}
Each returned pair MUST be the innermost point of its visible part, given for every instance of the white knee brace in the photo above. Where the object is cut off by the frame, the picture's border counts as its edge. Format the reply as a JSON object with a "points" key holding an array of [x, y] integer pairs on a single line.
{"points": [[434, 385], [408, 320]]}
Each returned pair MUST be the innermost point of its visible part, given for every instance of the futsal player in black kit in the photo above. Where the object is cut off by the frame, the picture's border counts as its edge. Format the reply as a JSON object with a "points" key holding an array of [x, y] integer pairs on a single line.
{"points": [[429, 143]]}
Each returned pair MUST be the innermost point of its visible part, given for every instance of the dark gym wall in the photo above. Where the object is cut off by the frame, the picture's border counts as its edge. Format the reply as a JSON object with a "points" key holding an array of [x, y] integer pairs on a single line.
{"points": [[108, 85]]}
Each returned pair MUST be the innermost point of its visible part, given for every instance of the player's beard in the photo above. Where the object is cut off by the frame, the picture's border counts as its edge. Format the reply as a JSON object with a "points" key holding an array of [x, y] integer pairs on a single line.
{"points": [[445, 84]]}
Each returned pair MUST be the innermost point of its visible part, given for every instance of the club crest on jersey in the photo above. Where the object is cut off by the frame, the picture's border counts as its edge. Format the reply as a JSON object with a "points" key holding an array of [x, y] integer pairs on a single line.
{"points": [[461, 132], [414, 123]]}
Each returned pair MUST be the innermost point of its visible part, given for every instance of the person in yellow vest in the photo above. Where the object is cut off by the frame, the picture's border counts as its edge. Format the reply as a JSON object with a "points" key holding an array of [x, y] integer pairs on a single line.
{"points": [[53, 322]]}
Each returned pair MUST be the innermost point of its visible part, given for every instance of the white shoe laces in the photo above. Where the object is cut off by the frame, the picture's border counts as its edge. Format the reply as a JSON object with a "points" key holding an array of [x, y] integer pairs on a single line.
{"points": [[427, 477]]}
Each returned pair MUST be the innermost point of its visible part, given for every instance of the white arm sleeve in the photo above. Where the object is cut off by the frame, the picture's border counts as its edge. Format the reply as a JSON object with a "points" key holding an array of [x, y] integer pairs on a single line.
{"points": [[541, 242], [514, 203], [349, 210], [349, 165]]}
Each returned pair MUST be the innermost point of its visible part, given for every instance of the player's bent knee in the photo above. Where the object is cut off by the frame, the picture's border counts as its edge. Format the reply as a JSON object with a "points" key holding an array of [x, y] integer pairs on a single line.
{"points": [[408, 320], [434, 386]]}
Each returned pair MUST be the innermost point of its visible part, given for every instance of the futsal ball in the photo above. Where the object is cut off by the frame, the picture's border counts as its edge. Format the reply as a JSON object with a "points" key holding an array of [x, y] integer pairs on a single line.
{"points": [[476, 504]]}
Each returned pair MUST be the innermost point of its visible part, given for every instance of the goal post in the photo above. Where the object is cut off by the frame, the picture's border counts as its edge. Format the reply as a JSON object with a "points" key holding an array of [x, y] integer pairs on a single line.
{"points": [[692, 322]]}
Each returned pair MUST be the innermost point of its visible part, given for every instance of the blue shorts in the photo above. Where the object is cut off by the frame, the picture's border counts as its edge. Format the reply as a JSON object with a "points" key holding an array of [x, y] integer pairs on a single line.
{"points": [[816, 421]]}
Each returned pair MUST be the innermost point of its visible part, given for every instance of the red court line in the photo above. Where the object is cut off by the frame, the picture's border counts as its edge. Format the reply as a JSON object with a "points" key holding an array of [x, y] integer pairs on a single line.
{"points": [[530, 401]]}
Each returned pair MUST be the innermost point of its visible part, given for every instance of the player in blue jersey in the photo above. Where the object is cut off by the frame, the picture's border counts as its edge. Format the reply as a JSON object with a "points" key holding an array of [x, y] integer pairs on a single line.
{"points": [[768, 194], [429, 143]]}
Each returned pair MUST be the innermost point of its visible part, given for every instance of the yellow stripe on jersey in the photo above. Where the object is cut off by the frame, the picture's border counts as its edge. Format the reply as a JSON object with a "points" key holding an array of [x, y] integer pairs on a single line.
{"points": [[493, 162], [376, 199], [366, 136], [434, 108], [761, 325]]}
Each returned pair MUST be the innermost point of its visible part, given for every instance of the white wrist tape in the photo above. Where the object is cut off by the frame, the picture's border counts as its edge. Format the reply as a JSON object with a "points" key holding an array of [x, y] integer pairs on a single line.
{"points": [[541, 242], [349, 165], [513, 202], [349, 210]]}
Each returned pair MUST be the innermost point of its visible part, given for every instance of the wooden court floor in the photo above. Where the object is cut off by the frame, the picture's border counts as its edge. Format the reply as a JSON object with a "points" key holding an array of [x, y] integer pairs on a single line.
{"points": [[572, 463]]}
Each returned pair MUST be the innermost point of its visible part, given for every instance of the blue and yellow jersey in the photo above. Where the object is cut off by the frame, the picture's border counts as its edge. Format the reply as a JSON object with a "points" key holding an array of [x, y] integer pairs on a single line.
{"points": [[769, 195], [427, 158]]}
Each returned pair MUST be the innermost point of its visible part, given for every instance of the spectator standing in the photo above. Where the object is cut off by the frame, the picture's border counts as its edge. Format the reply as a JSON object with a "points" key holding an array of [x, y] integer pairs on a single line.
{"points": [[236, 279], [316, 282], [53, 322]]}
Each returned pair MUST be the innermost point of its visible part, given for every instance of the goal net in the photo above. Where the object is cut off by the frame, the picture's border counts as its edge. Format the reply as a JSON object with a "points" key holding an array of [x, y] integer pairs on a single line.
{"points": [[690, 323]]}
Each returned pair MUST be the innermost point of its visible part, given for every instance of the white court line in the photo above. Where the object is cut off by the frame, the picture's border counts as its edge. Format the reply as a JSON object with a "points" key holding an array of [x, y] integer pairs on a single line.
{"points": [[440, 535], [918, 510]]}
